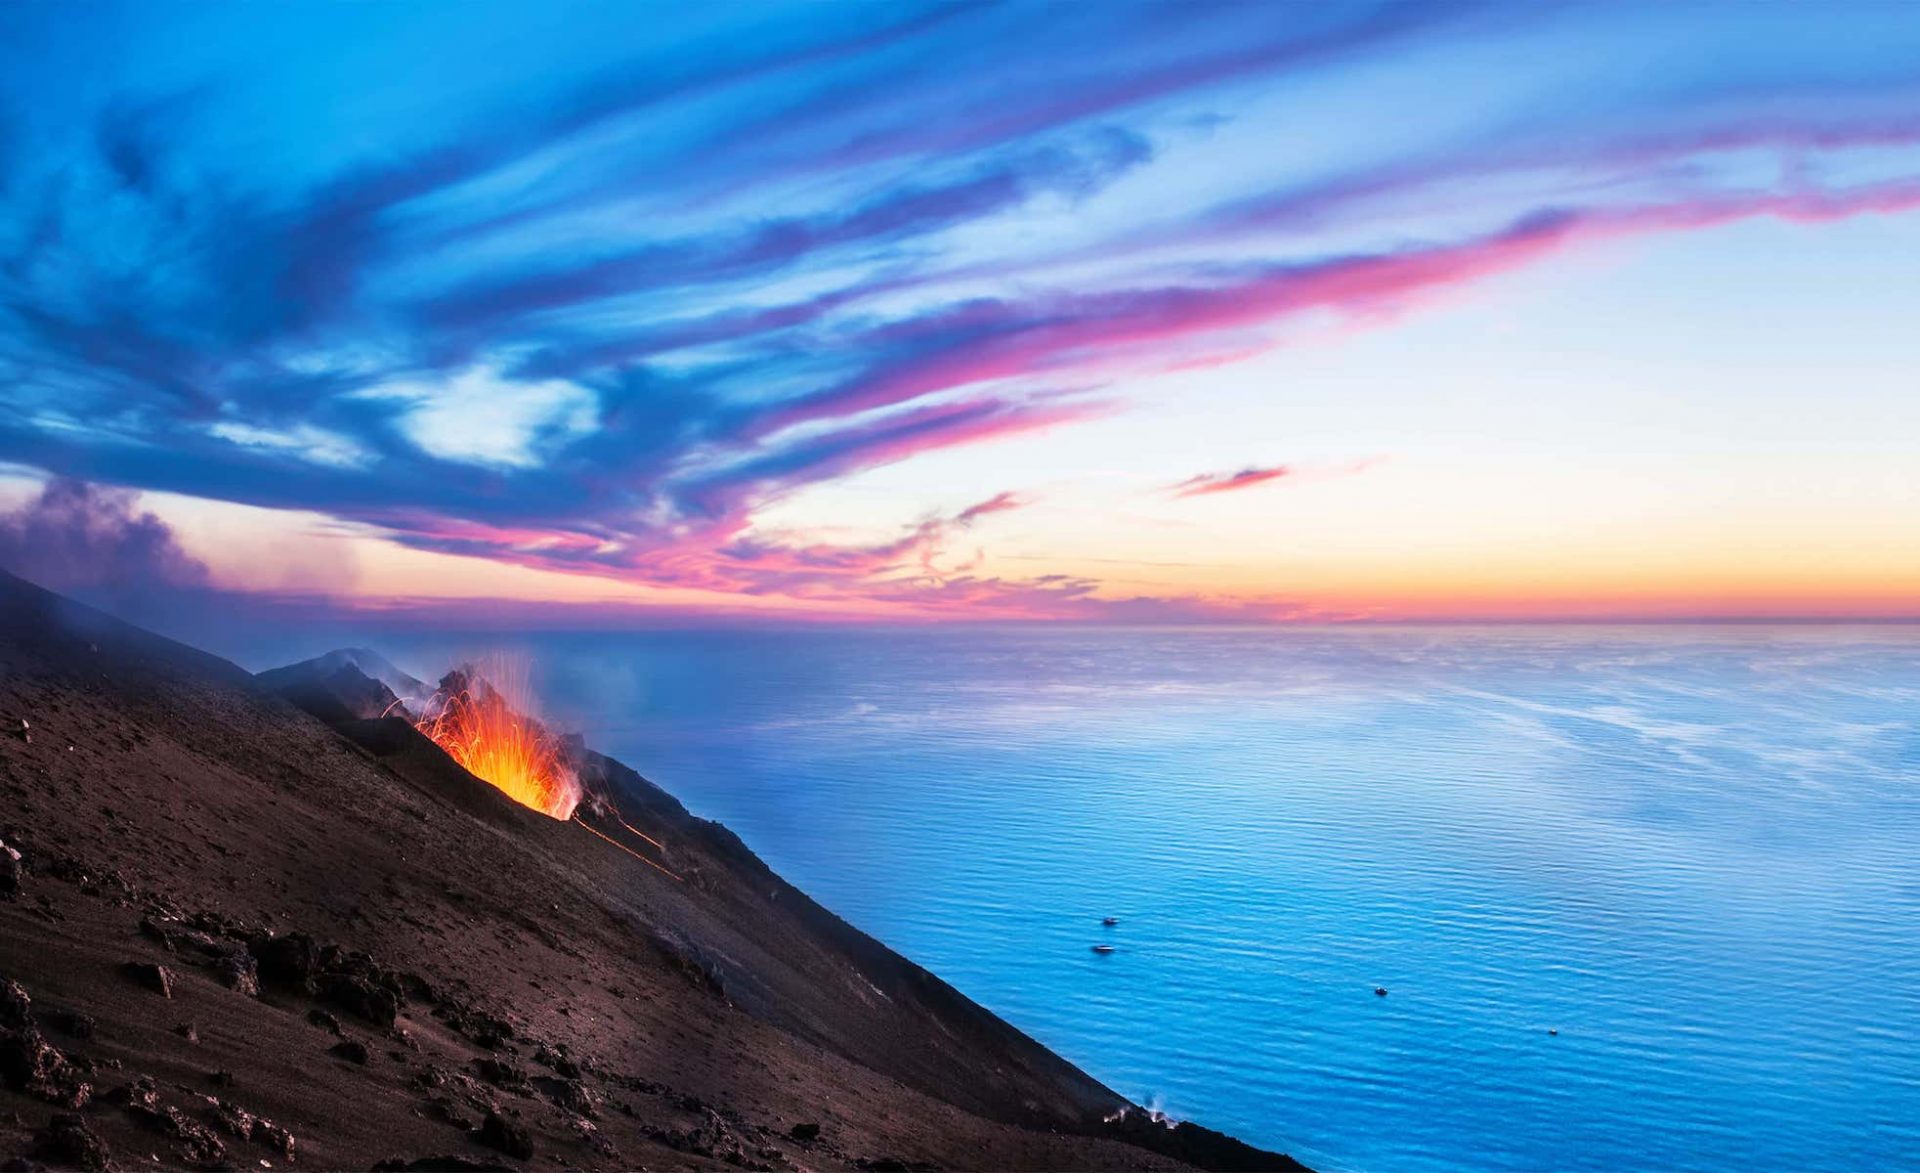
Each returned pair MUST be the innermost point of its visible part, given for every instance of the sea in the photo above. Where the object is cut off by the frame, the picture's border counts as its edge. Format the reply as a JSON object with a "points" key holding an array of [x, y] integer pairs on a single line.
{"points": [[1637, 897]]}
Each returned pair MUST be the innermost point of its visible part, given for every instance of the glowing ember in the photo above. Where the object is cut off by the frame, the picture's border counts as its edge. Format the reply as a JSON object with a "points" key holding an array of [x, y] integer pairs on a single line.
{"points": [[475, 723]]}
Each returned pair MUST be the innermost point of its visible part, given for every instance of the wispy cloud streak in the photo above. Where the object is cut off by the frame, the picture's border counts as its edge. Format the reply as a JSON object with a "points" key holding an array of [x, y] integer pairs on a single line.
{"points": [[1227, 482], [707, 285]]}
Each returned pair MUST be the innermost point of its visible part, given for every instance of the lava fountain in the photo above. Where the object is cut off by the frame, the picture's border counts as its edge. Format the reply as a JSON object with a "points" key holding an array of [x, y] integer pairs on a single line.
{"points": [[480, 722]]}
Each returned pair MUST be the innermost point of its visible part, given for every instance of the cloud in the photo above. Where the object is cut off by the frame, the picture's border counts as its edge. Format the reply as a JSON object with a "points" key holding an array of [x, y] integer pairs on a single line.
{"points": [[95, 543], [1227, 482], [601, 333]]}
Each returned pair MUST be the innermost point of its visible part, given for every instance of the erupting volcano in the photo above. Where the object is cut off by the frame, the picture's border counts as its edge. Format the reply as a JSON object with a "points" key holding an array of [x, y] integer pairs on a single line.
{"points": [[472, 719]]}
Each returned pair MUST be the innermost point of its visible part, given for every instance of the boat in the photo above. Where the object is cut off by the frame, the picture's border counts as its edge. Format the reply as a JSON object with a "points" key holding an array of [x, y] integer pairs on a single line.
{"points": [[1109, 921], [1103, 948]]}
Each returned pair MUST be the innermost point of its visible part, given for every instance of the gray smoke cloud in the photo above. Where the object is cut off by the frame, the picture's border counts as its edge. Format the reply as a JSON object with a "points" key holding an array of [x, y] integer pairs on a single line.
{"points": [[96, 543]]}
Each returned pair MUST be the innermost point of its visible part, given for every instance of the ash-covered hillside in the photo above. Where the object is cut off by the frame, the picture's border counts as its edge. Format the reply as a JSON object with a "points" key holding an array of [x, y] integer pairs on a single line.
{"points": [[256, 923]]}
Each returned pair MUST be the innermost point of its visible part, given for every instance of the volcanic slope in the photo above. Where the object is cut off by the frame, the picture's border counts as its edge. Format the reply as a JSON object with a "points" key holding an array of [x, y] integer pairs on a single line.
{"points": [[237, 930]]}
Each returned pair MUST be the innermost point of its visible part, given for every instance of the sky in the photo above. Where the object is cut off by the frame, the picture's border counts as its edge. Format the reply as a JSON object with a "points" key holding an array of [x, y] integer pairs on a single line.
{"points": [[1128, 312]]}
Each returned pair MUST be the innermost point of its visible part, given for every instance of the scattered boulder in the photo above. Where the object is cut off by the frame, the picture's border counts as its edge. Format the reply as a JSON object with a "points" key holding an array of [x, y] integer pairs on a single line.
{"points": [[573, 1095], [138, 1094], [557, 1059], [189, 1032], [805, 1132], [180, 937], [157, 978], [325, 1021], [66, 1140], [412, 985], [239, 1122], [266, 1132], [503, 1075], [231, 1118], [290, 960], [482, 1029], [239, 972], [711, 1137], [352, 1050], [446, 1112], [194, 1141], [497, 1132], [360, 996]]}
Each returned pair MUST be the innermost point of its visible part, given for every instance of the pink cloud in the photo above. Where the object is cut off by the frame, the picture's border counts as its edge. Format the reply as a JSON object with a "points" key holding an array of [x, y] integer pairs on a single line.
{"points": [[1227, 482]]}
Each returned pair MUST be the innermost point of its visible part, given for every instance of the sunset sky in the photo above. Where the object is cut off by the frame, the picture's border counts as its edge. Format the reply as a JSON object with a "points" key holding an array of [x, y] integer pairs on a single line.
{"points": [[1113, 312]]}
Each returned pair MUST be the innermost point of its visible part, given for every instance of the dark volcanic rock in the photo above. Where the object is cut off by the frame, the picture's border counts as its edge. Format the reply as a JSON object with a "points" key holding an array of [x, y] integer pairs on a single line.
{"points": [[1200, 1147], [157, 978], [503, 1075], [233, 1119], [360, 996], [30, 1064], [352, 1050], [245, 1125], [711, 1137], [239, 972], [805, 1132], [266, 1132], [446, 1112], [497, 1132], [481, 1028], [16, 1007], [11, 872], [66, 1140], [195, 1141], [180, 937], [139, 1093], [290, 960], [71, 1023], [573, 1095], [325, 1021], [287, 960], [412, 985], [557, 1059]]}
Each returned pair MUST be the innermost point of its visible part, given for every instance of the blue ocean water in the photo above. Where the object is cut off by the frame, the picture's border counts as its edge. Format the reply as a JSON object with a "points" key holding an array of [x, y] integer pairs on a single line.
{"points": [[1692, 852]]}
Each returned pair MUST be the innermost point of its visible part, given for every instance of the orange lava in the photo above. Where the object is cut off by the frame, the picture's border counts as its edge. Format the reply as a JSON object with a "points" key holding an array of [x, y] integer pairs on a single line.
{"points": [[475, 724]]}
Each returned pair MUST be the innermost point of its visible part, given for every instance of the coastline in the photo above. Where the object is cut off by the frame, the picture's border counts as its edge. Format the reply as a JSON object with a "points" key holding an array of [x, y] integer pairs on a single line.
{"points": [[723, 1018]]}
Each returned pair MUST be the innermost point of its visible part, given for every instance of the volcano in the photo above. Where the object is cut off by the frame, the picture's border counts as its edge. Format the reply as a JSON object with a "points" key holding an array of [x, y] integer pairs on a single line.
{"points": [[261, 919]]}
